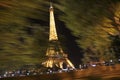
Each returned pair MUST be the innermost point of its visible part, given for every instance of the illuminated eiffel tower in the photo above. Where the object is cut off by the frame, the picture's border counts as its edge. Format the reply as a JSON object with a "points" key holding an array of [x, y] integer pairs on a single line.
{"points": [[56, 56]]}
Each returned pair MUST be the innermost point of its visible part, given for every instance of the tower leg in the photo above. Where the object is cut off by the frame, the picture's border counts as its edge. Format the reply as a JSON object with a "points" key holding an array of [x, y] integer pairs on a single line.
{"points": [[61, 65], [70, 64]]}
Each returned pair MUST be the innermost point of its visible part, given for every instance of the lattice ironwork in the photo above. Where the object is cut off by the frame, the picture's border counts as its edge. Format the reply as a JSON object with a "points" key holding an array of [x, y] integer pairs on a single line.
{"points": [[56, 56]]}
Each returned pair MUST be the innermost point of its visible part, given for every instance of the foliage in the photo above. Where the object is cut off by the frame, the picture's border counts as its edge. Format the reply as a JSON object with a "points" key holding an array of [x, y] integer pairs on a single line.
{"points": [[21, 32], [92, 23]]}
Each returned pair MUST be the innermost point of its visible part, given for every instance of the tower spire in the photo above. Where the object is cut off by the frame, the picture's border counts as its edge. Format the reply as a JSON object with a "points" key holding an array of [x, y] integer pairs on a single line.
{"points": [[53, 32]]}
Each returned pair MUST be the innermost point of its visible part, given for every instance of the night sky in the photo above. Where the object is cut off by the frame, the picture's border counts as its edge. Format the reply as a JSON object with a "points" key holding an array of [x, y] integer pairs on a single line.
{"points": [[74, 52]]}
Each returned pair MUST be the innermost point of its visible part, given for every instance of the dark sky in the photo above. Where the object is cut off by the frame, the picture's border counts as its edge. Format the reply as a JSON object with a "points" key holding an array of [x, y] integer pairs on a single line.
{"points": [[73, 51]]}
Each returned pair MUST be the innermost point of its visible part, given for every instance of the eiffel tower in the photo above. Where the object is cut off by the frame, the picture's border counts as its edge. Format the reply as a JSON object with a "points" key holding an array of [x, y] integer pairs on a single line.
{"points": [[56, 56]]}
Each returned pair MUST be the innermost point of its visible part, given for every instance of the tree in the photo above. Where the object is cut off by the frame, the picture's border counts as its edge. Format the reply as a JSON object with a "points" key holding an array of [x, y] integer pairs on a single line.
{"points": [[21, 32], [87, 20]]}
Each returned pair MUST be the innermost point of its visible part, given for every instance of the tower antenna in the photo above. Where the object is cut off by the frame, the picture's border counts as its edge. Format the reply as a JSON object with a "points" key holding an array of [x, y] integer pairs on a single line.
{"points": [[51, 4]]}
